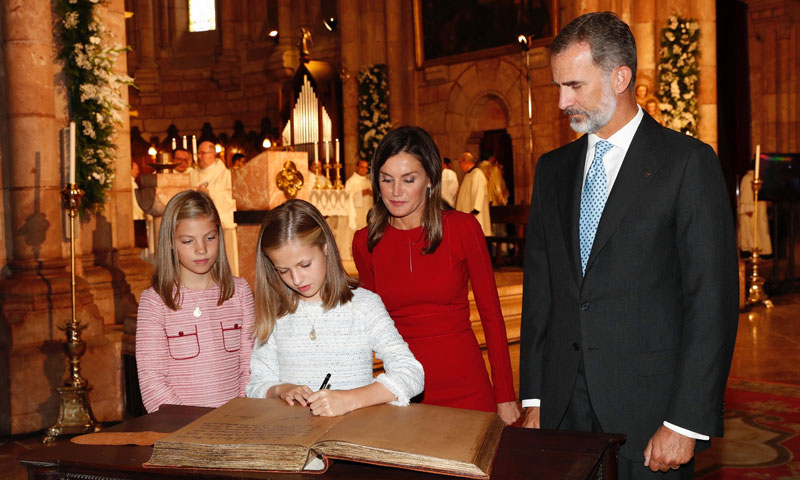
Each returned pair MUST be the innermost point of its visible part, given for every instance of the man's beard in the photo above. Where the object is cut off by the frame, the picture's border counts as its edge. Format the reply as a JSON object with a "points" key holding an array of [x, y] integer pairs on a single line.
{"points": [[597, 118]]}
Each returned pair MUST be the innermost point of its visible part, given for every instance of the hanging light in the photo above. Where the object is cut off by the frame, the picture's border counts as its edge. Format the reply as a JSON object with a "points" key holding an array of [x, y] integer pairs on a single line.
{"points": [[523, 42], [266, 143], [273, 34], [218, 148], [331, 24], [152, 151]]}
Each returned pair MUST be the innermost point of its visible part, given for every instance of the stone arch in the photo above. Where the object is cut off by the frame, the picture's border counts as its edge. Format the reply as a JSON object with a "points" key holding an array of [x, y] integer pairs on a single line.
{"points": [[497, 85]]}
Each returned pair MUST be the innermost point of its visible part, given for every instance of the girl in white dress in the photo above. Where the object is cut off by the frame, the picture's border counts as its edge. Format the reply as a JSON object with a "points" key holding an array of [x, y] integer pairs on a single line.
{"points": [[316, 331]]}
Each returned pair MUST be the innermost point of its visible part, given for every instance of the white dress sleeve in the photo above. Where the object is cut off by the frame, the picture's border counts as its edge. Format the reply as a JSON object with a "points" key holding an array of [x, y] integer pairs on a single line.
{"points": [[403, 376], [263, 368]]}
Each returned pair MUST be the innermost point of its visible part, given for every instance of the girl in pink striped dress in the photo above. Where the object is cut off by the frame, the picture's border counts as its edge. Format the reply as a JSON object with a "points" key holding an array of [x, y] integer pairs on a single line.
{"points": [[195, 323]]}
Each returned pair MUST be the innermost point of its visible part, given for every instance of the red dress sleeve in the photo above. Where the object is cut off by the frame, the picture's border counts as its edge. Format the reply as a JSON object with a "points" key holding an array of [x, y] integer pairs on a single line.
{"points": [[481, 276], [363, 260]]}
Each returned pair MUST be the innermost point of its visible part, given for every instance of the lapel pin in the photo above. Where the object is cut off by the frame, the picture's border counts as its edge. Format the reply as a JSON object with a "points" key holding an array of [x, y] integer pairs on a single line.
{"points": [[646, 173]]}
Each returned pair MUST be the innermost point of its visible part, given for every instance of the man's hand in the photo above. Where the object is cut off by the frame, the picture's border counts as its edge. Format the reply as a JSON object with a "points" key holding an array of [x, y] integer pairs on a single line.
{"points": [[532, 418], [668, 449]]}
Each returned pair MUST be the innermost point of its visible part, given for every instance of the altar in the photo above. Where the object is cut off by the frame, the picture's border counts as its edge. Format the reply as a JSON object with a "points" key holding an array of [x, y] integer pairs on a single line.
{"points": [[268, 180]]}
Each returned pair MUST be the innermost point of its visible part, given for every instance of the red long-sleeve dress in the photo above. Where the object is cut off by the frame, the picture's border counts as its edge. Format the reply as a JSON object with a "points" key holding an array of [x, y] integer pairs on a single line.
{"points": [[426, 295]]}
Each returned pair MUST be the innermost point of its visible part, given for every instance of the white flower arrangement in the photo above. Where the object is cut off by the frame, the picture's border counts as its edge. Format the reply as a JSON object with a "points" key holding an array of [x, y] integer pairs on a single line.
{"points": [[373, 109], [678, 74], [94, 90]]}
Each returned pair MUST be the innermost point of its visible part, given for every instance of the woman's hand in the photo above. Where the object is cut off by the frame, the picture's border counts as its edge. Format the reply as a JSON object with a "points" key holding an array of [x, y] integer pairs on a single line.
{"points": [[508, 411], [332, 403], [290, 393]]}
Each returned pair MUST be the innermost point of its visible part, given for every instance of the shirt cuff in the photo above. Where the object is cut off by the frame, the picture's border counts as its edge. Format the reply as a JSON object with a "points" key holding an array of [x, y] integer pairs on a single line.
{"points": [[531, 402], [684, 432]]}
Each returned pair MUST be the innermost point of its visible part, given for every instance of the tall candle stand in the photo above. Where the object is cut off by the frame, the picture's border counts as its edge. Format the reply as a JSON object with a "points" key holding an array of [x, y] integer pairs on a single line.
{"points": [[756, 293], [317, 174], [337, 184], [74, 413], [327, 168]]}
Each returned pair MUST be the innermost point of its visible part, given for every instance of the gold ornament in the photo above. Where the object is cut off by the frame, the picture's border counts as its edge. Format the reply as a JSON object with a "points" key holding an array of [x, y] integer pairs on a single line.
{"points": [[289, 180]]}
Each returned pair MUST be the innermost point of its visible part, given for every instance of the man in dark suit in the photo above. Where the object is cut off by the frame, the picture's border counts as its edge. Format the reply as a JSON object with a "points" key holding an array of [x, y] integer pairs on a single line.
{"points": [[630, 301]]}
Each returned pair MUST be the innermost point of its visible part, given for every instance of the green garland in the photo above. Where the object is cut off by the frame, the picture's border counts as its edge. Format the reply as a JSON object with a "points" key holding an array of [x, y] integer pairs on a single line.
{"points": [[678, 74], [94, 95], [373, 109]]}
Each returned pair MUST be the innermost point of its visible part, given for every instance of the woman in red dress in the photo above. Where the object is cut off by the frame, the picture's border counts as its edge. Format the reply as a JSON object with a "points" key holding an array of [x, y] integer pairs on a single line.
{"points": [[419, 256]]}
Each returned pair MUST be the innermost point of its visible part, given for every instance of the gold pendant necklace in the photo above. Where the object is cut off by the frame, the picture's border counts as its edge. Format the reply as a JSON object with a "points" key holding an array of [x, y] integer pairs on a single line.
{"points": [[313, 333], [197, 313]]}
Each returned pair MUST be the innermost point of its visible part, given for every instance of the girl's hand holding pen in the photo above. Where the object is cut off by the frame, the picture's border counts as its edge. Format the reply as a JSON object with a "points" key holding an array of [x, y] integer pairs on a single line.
{"points": [[331, 403]]}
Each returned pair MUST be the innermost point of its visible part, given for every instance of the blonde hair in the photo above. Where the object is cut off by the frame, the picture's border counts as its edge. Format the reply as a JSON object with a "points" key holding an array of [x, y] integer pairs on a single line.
{"points": [[298, 221], [166, 275]]}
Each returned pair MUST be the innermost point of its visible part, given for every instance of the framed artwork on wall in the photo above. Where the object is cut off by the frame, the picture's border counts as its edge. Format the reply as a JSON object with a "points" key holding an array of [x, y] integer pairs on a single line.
{"points": [[450, 31]]}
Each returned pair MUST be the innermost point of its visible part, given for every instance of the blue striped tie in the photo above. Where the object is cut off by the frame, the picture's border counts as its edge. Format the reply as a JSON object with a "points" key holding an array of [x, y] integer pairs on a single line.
{"points": [[593, 200]]}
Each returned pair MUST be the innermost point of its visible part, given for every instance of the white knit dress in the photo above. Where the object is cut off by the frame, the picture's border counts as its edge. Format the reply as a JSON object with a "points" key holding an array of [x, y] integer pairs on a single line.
{"points": [[346, 336]]}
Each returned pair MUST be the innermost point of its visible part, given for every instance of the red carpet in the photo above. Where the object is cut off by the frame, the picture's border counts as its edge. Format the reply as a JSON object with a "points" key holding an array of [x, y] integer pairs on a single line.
{"points": [[762, 434]]}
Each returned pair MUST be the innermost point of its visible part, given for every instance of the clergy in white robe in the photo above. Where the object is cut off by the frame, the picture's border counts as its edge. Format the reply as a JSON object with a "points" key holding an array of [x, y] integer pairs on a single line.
{"points": [[213, 176], [360, 187], [449, 183], [498, 191], [746, 220], [472, 194]]}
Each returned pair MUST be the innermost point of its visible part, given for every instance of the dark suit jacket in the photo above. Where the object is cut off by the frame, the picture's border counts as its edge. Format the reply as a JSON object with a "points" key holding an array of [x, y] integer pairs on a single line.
{"points": [[656, 313]]}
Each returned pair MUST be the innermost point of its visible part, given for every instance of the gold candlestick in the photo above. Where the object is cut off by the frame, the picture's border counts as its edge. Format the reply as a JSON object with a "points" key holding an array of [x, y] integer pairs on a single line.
{"points": [[338, 185], [756, 293], [74, 413], [328, 167], [317, 174]]}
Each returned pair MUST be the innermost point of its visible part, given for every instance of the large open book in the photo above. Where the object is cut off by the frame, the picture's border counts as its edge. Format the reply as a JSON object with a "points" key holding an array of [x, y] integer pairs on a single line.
{"points": [[268, 434]]}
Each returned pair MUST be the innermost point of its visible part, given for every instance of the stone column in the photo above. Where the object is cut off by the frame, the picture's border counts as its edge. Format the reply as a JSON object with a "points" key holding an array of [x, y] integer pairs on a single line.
{"points": [[349, 15], [395, 44], [647, 43], [35, 299], [146, 71], [706, 15], [285, 58], [226, 71]]}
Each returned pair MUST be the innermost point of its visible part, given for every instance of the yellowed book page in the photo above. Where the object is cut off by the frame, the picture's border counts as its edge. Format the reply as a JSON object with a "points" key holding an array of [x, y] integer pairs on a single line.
{"points": [[255, 421], [423, 436]]}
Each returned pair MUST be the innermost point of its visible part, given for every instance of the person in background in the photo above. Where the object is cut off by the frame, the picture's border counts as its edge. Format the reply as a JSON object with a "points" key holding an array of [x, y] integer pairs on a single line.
{"points": [[420, 256], [212, 177], [630, 290], [746, 219], [473, 195], [184, 160], [496, 185], [315, 325], [138, 213], [238, 160], [195, 322], [360, 189], [449, 183]]}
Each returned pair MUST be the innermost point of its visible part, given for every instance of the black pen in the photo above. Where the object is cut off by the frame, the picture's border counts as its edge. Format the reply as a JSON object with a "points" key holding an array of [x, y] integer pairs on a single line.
{"points": [[325, 382]]}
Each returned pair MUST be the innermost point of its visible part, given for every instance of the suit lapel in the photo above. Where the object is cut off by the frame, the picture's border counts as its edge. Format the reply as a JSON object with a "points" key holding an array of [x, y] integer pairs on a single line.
{"points": [[569, 189], [638, 167]]}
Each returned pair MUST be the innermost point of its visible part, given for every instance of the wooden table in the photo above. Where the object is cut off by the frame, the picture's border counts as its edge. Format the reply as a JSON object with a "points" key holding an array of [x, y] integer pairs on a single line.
{"points": [[523, 453]]}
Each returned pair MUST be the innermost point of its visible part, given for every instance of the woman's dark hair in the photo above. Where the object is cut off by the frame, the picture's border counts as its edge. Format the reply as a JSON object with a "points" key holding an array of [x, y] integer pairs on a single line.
{"points": [[416, 142]]}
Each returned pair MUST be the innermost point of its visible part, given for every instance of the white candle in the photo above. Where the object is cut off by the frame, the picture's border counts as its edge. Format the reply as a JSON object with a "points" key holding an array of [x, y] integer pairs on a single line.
{"points": [[174, 143], [72, 153], [758, 161], [337, 151], [316, 152], [194, 146], [185, 146], [327, 153]]}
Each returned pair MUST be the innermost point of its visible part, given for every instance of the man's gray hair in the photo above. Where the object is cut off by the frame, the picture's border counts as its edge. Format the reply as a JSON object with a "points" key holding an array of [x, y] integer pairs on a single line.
{"points": [[609, 38]]}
